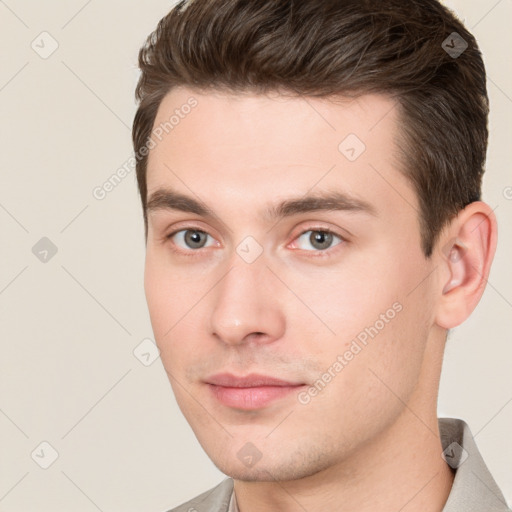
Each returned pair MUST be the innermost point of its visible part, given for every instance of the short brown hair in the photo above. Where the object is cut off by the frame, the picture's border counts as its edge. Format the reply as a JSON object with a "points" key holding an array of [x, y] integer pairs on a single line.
{"points": [[322, 48]]}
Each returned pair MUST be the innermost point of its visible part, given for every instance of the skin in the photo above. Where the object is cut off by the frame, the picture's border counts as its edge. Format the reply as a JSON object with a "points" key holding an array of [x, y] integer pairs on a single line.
{"points": [[370, 439]]}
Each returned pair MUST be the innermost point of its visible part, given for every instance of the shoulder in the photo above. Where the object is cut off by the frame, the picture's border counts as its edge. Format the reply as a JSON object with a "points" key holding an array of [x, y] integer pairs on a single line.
{"points": [[215, 499]]}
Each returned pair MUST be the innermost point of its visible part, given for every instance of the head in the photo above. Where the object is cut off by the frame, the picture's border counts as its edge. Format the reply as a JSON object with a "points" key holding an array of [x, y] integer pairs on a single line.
{"points": [[311, 199]]}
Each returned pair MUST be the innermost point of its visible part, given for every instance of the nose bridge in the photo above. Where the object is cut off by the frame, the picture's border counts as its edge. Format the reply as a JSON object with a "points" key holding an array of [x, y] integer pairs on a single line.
{"points": [[245, 304]]}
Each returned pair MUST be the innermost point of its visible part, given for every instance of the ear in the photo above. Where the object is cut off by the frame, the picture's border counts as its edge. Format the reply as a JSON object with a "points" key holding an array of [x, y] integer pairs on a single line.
{"points": [[467, 250]]}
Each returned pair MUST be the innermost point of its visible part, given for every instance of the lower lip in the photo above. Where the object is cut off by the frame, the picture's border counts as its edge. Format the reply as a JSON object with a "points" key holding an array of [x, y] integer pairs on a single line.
{"points": [[251, 398]]}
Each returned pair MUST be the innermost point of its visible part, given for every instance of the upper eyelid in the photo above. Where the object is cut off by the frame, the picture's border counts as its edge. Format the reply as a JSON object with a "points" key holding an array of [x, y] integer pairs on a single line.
{"points": [[303, 231], [311, 228], [323, 230]]}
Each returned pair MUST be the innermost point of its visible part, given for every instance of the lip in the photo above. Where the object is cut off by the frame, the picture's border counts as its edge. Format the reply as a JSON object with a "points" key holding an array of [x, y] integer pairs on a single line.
{"points": [[249, 381], [249, 392]]}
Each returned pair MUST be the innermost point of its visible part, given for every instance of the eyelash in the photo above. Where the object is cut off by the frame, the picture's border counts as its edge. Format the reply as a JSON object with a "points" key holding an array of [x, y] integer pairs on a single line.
{"points": [[326, 253]]}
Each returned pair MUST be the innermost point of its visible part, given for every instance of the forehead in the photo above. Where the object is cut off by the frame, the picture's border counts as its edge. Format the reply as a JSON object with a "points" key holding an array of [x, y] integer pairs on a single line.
{"points": [[252, 146]]}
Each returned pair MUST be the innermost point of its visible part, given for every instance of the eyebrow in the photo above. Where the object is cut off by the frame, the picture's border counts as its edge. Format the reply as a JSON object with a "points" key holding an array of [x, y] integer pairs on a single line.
{"points": [[168, 199]]}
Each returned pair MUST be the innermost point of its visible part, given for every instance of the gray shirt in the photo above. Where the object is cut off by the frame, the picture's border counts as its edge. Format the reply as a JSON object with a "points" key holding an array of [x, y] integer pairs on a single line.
{"points": [[473, 490]]}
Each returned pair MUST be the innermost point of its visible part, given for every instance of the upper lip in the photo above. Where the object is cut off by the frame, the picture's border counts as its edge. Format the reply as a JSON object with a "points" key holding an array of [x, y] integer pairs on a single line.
{"points": [[248, 381]]}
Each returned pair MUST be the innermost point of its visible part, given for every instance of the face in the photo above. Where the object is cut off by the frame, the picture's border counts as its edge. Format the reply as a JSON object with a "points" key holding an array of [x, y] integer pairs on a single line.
{"points": [[295, 254]]}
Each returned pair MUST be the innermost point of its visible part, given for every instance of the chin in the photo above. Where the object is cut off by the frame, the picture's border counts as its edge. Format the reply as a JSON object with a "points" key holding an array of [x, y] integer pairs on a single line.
{"points": [[271, 471]]}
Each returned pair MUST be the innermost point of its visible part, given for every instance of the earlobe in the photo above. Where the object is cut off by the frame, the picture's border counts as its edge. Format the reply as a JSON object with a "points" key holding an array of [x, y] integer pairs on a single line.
{"points": [[465, 261]]}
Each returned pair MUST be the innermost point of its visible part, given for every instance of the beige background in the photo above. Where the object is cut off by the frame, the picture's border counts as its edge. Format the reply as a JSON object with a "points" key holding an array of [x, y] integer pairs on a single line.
{"points": [[70, 325]]}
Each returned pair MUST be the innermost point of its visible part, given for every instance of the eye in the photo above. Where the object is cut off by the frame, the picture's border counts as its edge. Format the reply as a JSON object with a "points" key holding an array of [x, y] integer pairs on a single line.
{"points": [[189, 238], [319, 239]]}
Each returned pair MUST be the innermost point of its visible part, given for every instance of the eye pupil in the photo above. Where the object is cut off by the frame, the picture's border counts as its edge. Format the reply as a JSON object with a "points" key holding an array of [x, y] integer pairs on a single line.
{"points": [[196, 239], [193, 238], [323, 238]]}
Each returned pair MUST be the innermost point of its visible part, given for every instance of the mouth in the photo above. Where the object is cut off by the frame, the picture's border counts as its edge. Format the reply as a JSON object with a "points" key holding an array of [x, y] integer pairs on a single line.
{"points": [[250, 392]]}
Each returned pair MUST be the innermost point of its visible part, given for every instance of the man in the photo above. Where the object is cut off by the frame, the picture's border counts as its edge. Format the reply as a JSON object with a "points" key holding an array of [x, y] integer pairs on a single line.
{"points": [[310, 177]]}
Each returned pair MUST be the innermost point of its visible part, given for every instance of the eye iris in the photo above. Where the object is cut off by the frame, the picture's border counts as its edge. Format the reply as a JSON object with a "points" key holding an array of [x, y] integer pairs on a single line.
{"points": [[320, 237], [193, 238]]}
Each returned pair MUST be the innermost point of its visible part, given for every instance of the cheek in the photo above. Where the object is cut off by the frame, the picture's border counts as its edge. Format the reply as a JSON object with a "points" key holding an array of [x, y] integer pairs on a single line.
{"points": [[339, 302], [377, 377], [165, 299], [387, 370], [173, 302], [157, 298], [378, 323]]}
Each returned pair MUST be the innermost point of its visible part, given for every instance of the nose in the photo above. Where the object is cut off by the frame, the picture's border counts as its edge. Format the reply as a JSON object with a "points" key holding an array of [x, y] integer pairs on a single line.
{"points": [[246, 306]]}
